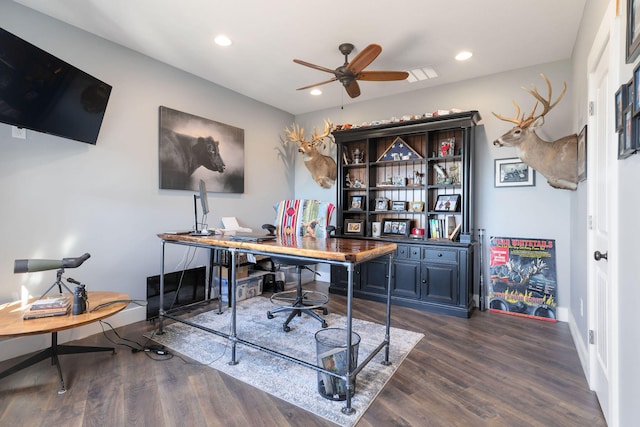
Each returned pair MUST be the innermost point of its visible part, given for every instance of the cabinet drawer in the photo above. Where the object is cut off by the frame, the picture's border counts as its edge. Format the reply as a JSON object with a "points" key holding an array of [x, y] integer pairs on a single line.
{"points": [[441, 255], [409, 252], [402, 252]]}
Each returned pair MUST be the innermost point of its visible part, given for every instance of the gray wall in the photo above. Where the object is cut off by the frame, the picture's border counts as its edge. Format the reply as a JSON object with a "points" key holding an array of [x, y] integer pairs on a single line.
{"points": [[62, 198], [535, 212]]}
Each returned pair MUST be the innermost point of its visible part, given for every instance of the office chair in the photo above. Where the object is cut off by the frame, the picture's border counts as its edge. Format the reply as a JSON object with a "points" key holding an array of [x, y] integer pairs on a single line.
{"points": [[310, 218]]}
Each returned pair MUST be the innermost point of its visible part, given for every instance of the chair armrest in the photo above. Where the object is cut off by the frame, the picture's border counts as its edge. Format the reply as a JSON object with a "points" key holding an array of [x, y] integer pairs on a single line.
{"points": [[271, 229]]}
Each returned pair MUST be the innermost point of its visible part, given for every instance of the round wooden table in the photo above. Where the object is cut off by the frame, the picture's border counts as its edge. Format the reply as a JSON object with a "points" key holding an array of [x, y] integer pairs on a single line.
{"points": [[100, 305]]}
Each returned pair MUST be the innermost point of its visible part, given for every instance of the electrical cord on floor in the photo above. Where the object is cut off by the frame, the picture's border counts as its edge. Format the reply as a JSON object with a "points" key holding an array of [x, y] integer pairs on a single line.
{"points": [[119, 301], [159, 350]]}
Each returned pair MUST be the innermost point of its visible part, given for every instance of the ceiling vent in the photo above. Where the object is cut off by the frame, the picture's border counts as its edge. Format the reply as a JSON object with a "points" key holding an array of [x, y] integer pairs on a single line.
{"points": [[420, 74]]}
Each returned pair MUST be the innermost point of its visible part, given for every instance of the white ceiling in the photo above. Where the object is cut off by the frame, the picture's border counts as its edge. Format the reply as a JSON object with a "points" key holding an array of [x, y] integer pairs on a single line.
{"points": [[268, 34]]}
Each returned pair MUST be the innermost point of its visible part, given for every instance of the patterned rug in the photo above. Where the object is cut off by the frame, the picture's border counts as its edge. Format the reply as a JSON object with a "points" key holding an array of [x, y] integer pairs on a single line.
{"points": [[286, 380]]}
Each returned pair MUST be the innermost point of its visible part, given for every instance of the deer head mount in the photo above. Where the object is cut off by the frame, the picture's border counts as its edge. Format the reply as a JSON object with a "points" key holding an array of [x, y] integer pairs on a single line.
{"points": [[323, 168], [555, 160]]}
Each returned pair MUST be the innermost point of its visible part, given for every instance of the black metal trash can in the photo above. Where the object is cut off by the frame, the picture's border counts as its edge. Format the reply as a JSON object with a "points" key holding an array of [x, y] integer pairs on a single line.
{"points": [[331, 347]]}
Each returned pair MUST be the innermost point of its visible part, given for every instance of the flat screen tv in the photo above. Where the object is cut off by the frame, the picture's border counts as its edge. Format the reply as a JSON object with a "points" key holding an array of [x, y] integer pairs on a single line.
{"points": [[43, 93]]}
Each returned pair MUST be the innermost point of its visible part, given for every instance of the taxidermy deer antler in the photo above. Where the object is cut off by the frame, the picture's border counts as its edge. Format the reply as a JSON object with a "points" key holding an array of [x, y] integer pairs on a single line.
{"points": [[323, 168]]}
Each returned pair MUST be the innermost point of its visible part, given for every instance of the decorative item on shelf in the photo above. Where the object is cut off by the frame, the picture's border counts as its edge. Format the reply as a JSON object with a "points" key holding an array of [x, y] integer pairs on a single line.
{"points": [[447, 147], [357, 203], [447, 203], [382, 204], [441, 175], [399, 181], [347, 181], [345, 159], [376, 229], [453, 173], [356, 183], [396, 227], [399, 150], [357, 156], [417, 233], [417, 178], [416, 207], [354, 227], [397, 205]]}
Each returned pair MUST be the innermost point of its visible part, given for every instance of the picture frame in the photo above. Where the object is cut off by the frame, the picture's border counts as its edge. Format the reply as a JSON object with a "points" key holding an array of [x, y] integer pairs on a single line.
{"points": [[633, 30], [354, 227], [396, 227], [357, 202], [513, 172], [625, 137], [636, 92], [382, 204], [397, 205], [447, 203], [416, 207], [582, 154], [620, 104]]}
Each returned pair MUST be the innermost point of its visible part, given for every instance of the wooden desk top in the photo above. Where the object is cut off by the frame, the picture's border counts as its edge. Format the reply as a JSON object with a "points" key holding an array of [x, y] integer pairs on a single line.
{"points": [[333, 248], [12, 323]]}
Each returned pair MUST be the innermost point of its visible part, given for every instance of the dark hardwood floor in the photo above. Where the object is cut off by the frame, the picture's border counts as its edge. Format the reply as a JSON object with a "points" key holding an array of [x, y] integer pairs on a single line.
{"points": [[489, 370]]}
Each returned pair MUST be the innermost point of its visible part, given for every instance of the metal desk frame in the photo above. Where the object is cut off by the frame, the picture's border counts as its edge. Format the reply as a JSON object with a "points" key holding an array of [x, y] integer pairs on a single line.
{"points": [[352, 372]]}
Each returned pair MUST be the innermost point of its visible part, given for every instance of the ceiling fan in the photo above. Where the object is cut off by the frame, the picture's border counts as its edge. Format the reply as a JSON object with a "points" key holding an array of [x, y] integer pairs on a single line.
{"points": [[350, 72]]}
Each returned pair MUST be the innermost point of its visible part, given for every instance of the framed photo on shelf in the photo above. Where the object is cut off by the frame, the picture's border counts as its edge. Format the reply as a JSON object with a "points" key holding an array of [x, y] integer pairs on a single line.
{"points": [[633, 30], [398, 206], [382, 204], [354, 227], [396, 227], [513, 172], [582, 154], [626, 145], [447, 203], [357, 203], [416, 207]]}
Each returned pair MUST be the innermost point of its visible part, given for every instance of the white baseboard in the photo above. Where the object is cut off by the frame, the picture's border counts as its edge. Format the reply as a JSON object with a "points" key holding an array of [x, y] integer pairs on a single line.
{"points": [[581, 348], [18, 346]]}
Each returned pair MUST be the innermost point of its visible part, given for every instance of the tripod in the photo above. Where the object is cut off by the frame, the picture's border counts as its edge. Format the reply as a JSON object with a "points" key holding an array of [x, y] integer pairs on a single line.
{"points": [[58, 283]]}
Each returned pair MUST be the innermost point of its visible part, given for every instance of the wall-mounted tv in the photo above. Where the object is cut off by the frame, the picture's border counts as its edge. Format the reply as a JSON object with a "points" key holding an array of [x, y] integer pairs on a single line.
{"points": [[43, 93]]}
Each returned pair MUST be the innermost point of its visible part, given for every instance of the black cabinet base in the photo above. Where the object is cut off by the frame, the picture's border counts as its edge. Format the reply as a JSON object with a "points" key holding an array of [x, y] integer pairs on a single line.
{"points": [[449, 310]]}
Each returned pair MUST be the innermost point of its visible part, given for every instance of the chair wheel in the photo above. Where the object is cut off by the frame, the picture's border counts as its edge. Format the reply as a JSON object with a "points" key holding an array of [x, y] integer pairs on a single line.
{"points": [[286, 328], [269, 315], [325, 311], [324, 324]]}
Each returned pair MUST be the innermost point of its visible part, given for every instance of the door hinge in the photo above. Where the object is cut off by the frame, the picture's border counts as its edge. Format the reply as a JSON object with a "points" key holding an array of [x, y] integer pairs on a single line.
{"points": [[592, 108], [592, 336]]}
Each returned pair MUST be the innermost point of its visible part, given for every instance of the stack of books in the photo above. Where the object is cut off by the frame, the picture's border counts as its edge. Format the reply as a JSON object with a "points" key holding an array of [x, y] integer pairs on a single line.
{"points": [[55, 305]]}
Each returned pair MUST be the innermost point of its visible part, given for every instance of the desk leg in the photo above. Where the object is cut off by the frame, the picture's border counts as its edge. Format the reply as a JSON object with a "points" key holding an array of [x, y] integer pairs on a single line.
{"points": [[348, 410], [53, 352], [387, 336], [232, 298]]}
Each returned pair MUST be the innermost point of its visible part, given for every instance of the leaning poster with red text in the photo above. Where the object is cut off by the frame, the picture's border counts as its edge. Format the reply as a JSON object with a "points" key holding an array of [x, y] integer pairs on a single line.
{"points": [[523, 277]]}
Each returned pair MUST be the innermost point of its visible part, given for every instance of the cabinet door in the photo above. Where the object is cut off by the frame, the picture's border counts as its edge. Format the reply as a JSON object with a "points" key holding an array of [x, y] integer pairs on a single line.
{"points": [[440, 283], [375, 275], [339, 277], [406, 279]]}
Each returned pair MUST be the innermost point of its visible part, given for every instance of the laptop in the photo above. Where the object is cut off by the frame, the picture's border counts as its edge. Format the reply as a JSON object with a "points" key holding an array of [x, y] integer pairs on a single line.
{"points": [[250, 237]]}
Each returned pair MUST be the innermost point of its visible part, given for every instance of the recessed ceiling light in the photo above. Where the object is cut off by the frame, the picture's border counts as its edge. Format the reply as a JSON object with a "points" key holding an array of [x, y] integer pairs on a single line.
{"points": [[464, 55], [315, 92], [222, 40]]}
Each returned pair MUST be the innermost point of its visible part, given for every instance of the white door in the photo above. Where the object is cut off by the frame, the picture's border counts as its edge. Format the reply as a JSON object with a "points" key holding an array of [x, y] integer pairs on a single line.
{"points": [[601, 148]]}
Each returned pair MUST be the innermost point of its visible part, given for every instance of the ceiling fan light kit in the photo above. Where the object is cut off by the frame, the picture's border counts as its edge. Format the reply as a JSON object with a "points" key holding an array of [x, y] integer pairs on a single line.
{"points": [[350, 72]]}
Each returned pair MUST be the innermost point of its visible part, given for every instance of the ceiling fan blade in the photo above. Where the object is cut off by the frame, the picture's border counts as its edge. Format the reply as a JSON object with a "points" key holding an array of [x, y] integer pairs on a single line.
{"points": [[314, 66], [318, 84], [353, 89], [364, 58], [382, 76]]}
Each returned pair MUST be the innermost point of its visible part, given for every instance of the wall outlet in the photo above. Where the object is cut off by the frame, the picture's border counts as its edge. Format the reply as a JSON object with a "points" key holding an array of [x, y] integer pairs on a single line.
{"points": [[20, 133]]}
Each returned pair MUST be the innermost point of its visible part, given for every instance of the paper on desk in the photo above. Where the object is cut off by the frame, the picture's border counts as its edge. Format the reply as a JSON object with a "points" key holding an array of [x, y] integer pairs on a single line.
{"points": [[231, 223]]}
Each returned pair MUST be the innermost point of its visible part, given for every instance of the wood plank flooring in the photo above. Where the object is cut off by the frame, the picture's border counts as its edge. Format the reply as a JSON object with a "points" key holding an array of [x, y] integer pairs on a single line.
{"points": [[490, 370]]}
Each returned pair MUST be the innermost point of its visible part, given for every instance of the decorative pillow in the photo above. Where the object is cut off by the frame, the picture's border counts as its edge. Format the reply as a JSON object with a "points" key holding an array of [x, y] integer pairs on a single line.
{"points": [[303, 217]]}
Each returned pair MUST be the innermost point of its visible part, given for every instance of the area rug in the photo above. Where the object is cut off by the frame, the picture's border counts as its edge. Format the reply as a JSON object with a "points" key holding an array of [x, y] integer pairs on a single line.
{"points": [[287, 380]]}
